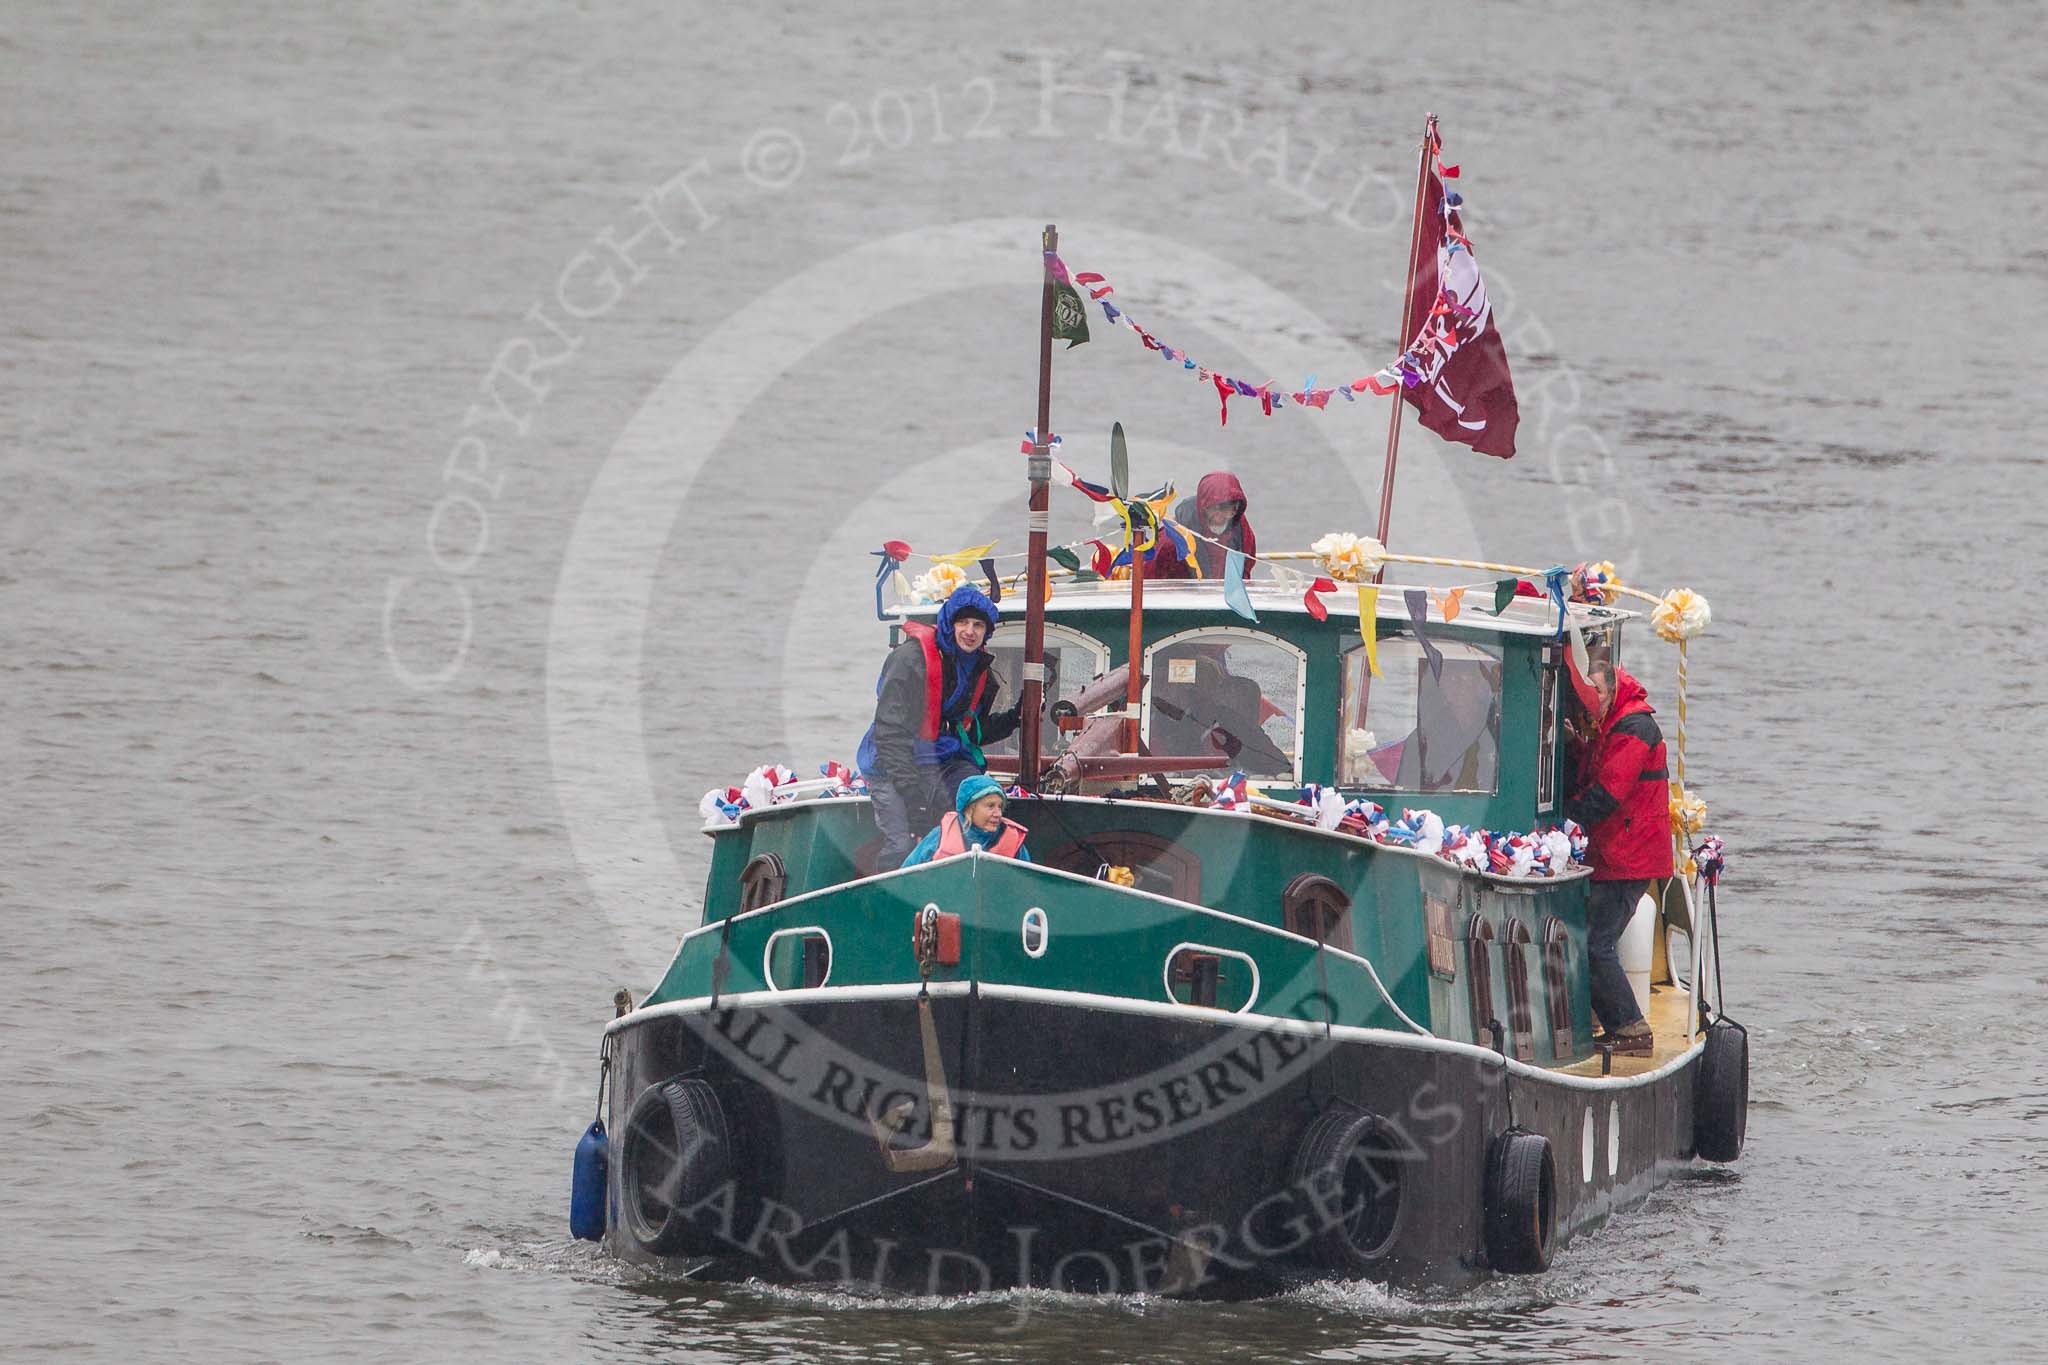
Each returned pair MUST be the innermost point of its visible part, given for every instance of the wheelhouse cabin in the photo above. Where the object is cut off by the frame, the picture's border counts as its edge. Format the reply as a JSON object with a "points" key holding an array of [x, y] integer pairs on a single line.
{"points": [[1184, 903]]}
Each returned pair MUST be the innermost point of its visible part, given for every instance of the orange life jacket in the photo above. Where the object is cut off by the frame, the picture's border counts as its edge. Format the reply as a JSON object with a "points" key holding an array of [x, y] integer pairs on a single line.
{"points": [[935, 681], [953, 838]]}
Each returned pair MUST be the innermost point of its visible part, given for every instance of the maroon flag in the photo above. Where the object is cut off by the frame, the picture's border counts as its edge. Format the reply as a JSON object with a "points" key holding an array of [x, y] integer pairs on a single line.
{"points": [[1455, 370]]}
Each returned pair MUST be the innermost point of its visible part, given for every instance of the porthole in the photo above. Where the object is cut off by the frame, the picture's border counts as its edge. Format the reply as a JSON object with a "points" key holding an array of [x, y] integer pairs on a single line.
{"points": [[1213, 978], [1586, 1147], [1613, 1138], [1036, 931], [797, 959]]}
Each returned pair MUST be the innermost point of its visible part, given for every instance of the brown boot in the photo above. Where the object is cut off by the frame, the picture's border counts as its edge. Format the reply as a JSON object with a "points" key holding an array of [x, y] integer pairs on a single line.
{"points": [[1637, 1040]]}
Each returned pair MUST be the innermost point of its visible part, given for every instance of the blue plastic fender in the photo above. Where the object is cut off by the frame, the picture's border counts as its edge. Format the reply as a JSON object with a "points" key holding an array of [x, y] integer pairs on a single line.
{"points": [[587, 1184]]}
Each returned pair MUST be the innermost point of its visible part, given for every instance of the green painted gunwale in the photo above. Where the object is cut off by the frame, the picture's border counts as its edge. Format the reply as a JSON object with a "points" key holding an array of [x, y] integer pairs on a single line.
{"points": [[1245, 860]]}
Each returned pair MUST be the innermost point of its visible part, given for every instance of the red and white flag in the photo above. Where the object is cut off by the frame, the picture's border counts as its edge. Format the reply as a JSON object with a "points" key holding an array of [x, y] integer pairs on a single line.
{"points": [[1455, 370]]}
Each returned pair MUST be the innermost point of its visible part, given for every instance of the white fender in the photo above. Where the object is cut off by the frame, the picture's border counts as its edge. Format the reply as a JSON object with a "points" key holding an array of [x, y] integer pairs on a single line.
{"points": [[1638, 949]]}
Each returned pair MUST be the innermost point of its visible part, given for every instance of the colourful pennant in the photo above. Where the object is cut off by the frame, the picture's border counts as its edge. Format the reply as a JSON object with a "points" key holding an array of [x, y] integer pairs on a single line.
{"points": [[1369, 625], [1418, 615], [1313, 602], [960, 559], [1554, 582], [1234, 595]]}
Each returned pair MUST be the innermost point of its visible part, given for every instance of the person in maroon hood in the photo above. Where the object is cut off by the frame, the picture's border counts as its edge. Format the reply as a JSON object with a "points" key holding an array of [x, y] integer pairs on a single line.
{"points": [[1622, 797], [1217, 511]]}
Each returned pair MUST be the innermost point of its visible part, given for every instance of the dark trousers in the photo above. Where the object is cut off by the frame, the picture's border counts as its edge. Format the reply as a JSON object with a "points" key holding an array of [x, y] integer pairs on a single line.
{"points": [[1609, 907], [905, 813]]}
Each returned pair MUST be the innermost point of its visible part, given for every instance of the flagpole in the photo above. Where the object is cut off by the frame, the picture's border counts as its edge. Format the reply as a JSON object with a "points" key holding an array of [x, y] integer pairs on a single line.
{"points": [[1429, 145], [1135, 683], [1032, 700]]}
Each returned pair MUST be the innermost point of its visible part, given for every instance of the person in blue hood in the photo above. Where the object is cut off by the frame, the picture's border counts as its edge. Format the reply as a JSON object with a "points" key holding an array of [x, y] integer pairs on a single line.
{"points": [[976, 822], [934, 709]]}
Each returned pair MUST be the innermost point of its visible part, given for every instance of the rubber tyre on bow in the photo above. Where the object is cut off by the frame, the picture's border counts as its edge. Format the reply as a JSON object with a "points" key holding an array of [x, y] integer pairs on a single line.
{"points": [[677, 1152], [1521, 1203], [1349, 1167], [1721, 1095]]}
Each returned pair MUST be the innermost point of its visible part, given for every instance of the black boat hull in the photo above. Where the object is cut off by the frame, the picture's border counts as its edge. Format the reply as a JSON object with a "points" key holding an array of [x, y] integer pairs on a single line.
{"points": [[1103, 1145]]}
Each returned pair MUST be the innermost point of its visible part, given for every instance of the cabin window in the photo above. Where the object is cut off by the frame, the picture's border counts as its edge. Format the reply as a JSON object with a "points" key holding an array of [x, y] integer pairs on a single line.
{"points": [[762, 882], [1157, 865], [1316, 907], [1546, 744], [1560, 700], [1411, 729], [1603, 642], [1521, 1019], [1072, 661], [1556, 985], [1231, 692], [1479, 956]]}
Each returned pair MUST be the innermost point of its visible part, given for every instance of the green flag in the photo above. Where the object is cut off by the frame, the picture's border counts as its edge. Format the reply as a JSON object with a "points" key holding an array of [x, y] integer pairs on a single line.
{"points": [[1062, 556], [1069, 316], [1503, 593]]}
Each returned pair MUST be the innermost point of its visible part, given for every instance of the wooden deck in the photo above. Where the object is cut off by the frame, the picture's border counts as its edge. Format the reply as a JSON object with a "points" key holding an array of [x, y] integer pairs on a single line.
{"points": [[1671, 1016]]}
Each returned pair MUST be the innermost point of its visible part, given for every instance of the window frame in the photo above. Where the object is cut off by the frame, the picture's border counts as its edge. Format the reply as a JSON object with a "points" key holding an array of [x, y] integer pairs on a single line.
{"points": [[1479, 938], [1498, 652], [1055, 634], [1315, 907], [1238, 633], [1521, 1014], [1557, 942], [1549, 726], [763, 882]]}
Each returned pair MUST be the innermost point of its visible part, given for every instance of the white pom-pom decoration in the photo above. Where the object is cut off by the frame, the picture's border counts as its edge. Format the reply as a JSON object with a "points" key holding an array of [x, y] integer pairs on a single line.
{"points": [[1431, 839], [1348, 558], [1681, 615], [938, 583]]}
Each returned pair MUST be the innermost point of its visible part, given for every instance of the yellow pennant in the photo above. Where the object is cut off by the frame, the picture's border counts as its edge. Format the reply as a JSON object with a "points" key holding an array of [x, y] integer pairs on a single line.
{"points": [[1450, 604], [963, 558], [1369, 625]]}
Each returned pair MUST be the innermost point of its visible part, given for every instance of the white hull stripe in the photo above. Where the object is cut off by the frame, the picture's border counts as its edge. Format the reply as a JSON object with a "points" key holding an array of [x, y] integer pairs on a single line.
{"points": [[1082, 1000]]}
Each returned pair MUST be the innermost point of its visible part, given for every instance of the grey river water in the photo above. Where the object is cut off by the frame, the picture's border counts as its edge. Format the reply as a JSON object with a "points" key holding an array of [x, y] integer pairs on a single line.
{"points": [[442, 442]]}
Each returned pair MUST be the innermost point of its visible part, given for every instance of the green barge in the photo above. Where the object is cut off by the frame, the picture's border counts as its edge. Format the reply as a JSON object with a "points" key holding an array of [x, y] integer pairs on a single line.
{"points": [[1198, 1044]]}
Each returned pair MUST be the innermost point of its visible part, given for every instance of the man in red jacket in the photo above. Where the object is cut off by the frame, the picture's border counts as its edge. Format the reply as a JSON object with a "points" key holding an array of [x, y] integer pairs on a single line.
{"points": [[1622, 797]]}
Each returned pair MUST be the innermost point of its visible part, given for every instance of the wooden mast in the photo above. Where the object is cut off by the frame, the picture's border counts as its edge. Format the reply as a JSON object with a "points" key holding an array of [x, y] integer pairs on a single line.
{"points": [[1429, 149], [1032, 700], [1120, 484]]}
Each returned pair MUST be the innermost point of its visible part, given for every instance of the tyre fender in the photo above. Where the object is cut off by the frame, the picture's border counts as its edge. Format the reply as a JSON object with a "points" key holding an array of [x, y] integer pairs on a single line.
{"points": [[1520, 1202], [1349, 1164], [1720, 1105], [676, 1152]]}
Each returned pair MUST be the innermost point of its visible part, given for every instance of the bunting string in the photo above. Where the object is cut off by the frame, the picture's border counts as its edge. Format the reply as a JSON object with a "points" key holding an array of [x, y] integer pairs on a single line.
{"points": [[1435, 341]]}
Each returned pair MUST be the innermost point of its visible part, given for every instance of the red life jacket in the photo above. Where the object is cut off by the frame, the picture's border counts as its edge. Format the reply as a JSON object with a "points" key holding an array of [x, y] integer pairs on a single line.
{"points": [[953, 838], [935, 681]]}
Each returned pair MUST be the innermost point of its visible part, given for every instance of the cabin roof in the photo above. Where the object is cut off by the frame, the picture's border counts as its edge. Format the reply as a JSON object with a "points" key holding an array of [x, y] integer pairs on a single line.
{"points": [[1523, 616]]}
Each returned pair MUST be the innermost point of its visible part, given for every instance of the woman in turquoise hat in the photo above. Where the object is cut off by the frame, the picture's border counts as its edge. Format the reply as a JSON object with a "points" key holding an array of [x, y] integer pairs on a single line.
{"points": [[976, 821]]}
